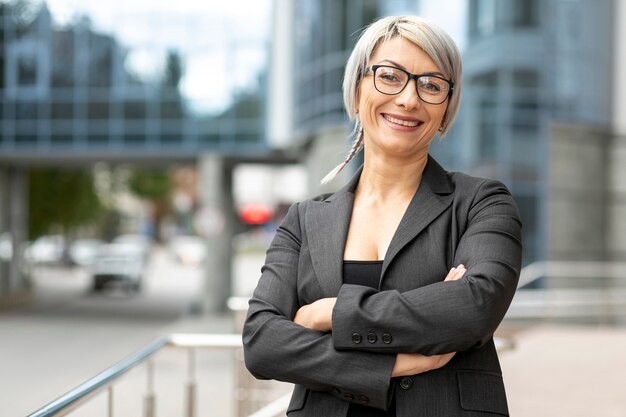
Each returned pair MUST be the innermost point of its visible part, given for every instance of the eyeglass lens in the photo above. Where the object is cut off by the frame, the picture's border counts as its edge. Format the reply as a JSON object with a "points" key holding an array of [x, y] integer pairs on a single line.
{"points": [[391, 80]]}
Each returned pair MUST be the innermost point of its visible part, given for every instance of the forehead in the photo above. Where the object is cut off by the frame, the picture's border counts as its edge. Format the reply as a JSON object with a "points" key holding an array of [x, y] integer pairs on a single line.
{"points": [[405, 53]]}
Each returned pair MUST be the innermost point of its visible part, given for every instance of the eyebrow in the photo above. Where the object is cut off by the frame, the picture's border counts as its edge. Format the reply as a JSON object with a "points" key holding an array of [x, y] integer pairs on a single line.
{"points": [[395, 64]]}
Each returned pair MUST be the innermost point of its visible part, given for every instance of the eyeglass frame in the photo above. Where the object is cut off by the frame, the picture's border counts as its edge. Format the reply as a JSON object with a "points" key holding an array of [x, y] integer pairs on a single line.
{"points": [[415, 77]]}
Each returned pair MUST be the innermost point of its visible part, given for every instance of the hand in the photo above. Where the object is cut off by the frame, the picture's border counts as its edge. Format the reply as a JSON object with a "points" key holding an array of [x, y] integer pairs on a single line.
{"points": [[317, 315], [456, 273], [416, 363]]}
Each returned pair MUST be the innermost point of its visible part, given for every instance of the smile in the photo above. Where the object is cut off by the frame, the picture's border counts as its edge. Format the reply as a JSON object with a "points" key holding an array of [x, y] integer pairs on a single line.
{"points": [[407, 123]]}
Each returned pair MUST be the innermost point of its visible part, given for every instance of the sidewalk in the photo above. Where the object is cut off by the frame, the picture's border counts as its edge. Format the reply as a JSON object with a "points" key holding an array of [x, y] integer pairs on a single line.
{"points": [[568, 371]]}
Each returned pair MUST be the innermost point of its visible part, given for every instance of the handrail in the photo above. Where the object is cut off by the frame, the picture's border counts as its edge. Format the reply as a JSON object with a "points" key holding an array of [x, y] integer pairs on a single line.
{"points": [[595, 299], [72, 399], [571, 269], [274, 408]]}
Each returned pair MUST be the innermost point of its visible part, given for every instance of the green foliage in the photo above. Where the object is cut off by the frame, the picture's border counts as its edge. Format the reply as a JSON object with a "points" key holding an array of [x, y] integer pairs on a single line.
{"points": [[173, 68], [151, 185], [59, 198]]}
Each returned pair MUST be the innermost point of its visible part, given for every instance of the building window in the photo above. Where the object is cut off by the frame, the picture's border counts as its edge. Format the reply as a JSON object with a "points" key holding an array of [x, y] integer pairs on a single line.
{"points": [[525, 116], [525, 13], [528, 210], [482, 17], [27, 69]]}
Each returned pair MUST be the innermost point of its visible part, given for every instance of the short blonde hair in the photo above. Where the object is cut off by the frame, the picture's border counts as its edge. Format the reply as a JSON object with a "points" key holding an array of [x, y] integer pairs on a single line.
{"points": [[430, 38], [433, 40]]}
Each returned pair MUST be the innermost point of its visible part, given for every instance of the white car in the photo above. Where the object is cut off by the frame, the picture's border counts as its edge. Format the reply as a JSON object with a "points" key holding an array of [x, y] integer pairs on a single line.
{"points": [[83, 252], [118, 263], [46, 250], [188, 250], [141, 243]]}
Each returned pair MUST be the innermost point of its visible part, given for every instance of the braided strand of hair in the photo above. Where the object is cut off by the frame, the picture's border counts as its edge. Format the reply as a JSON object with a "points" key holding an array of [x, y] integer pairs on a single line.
{"points": [[357, 145]]}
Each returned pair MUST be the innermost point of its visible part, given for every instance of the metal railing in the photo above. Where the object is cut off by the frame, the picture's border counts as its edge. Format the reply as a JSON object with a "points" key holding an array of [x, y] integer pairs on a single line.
{"points": [[571, 290], [104, 381]]}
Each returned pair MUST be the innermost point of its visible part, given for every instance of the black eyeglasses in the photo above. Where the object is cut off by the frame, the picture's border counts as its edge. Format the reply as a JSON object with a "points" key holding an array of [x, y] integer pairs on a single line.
{"points": [[390, 80]]}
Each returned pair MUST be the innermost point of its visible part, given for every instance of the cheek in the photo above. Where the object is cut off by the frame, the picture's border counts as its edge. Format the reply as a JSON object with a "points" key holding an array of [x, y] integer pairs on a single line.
{"points": [[368, 106], [437, 116]]}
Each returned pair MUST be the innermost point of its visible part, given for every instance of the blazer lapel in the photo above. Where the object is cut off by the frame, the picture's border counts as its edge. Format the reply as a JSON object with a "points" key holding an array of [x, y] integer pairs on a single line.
{"points": [[432, 197], [327, 223]]}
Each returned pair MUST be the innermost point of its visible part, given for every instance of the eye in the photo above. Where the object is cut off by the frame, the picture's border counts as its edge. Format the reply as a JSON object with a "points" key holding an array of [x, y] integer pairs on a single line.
{"points": [[389, 76], [430, 85]]}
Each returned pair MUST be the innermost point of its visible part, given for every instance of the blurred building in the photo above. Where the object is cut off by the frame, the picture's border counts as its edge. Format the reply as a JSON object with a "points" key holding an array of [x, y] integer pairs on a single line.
{"points": [[538, 113], [140, 89]]}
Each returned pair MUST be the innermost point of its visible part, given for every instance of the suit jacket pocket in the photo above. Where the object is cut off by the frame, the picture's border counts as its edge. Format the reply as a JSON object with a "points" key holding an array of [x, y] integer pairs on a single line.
{"points": [[482, 391], [298, 398]]}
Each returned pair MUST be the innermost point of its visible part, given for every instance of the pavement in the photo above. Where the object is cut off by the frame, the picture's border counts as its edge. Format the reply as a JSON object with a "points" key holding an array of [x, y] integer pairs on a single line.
{"points": [[566, 370]]}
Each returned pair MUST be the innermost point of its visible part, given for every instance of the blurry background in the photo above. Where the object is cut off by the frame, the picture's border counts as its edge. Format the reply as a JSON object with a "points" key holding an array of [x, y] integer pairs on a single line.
{"points": [[149, 149]]}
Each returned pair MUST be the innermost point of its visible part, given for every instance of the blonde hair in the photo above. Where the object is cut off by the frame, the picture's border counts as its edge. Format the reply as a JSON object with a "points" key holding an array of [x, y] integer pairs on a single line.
{"points": [[433, 40]]}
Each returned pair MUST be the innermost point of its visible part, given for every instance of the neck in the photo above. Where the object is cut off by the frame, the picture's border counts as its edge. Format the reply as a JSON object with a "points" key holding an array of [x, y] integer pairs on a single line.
{"points": [[386, 178]]}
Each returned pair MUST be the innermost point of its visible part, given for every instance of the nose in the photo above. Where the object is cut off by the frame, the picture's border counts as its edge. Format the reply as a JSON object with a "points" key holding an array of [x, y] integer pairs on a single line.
{"points": [[408, 97]]}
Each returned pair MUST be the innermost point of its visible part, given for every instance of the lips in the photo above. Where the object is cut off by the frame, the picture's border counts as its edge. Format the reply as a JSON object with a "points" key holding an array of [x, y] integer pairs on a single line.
{"points": [[406, 122]]}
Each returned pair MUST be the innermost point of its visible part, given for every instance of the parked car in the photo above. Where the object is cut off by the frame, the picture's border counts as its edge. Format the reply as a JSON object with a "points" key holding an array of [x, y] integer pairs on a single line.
{"points": [[83, 252], [188, 250], [118, 263], [46, 250], [141, 243]]}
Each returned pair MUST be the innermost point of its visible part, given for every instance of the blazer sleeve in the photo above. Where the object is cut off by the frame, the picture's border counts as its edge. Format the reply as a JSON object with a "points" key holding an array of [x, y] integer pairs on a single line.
{"points": [[277, 348], [446, 316]]}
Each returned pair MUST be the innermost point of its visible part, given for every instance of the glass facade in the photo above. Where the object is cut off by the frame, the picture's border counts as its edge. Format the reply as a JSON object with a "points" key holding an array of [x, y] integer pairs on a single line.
{"points": [[134, 79], [488, 17], [529, 64]]}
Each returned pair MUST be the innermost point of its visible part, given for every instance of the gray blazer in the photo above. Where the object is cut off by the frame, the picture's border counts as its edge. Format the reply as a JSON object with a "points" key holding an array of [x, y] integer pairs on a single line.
{"points": [[453, 218]]}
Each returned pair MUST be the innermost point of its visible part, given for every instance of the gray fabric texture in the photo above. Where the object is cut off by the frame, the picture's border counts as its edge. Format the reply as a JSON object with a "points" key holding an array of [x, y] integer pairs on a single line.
{"points": [[453, 218]]}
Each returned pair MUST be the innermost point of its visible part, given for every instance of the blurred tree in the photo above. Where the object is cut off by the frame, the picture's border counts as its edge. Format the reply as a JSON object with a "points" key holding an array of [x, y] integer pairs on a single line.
{"points": [[172, 109], [151, 185], [156, 188], [61, 198], [172, 106], [173, 69]]}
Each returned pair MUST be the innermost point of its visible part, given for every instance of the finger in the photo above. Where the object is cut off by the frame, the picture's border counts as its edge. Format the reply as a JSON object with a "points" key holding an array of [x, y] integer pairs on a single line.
{"points": [[460, 271], [456, 273], [450, 275]]}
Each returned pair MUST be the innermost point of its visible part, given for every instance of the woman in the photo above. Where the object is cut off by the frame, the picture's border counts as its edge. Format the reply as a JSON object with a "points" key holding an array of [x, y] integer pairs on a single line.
{"points": [[382, 298]]}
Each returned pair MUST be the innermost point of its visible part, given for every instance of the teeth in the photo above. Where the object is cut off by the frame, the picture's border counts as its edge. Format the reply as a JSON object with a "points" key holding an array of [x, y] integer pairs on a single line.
{"points": [[406, 123]]}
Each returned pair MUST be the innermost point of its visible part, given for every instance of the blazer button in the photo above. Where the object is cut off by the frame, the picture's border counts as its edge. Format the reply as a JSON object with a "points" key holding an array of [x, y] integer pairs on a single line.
{"points": [[371, 337], [356, 338], [406, 383], [363, 399], [386, 338], [348, 396]]}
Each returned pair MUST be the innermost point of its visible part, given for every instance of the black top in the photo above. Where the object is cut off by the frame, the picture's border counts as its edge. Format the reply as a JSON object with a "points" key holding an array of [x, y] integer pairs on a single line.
{"points": [[365, 273]]}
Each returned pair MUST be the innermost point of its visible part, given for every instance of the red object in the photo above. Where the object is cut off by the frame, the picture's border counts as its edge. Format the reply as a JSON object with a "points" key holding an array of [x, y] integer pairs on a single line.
{"points": [[255, 213]]}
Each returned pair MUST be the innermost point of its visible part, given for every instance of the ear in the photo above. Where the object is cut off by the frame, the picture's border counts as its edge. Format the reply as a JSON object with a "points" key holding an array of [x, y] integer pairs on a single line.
{"points": [[357, 98]]}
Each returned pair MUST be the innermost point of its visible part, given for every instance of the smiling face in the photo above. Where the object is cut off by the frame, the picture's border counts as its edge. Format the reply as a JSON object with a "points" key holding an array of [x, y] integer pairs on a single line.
{"points": [[400, 125]]}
